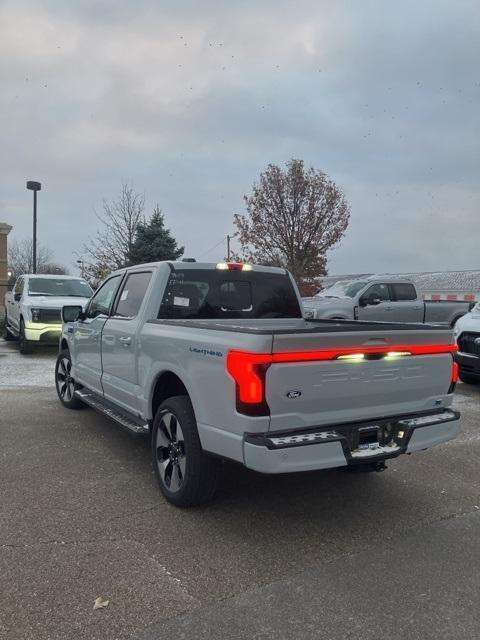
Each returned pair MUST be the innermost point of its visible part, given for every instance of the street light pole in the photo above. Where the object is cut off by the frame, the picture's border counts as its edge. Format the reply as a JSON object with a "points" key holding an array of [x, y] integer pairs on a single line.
{"points": [[34, 186], [81, 263]]}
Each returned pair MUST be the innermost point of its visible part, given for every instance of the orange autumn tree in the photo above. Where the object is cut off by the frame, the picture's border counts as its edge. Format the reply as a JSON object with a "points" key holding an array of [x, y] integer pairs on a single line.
{"points": [[294, 215]]}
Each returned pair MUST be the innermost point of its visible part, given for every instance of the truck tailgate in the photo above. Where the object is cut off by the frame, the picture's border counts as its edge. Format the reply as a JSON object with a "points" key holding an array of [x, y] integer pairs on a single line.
{"points": [[356, 376]]}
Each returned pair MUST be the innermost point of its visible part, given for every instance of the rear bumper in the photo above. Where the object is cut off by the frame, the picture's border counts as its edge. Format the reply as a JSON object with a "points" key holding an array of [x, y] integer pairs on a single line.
{"points": [[330, 447], [468, 363]]}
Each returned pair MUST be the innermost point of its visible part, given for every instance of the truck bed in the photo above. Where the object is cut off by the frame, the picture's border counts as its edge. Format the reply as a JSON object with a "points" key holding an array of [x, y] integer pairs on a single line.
{"points": [[299, 325]]}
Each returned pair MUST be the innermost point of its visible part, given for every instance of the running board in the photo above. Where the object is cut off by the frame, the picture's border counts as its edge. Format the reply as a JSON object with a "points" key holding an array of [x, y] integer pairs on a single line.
{"points": [[108, 410]]}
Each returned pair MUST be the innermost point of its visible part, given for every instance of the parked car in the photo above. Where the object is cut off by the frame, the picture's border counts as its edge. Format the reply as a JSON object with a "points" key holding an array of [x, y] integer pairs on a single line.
{"points": [[216, 361], [384, 299], [467, 333], [34, 307]]}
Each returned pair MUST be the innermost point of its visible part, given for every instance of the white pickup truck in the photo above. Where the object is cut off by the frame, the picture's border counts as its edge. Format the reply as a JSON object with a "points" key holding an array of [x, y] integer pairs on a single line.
{"points": [[216, 361], [34, 307]]}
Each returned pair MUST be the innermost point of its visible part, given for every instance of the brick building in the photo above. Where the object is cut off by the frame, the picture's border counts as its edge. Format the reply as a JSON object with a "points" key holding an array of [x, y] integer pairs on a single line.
{"points": [[4, 231]]}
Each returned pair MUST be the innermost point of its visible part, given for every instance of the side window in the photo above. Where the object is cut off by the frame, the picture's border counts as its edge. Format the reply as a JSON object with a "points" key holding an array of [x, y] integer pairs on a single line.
{"points": [[19, 285], [132, 294], [102, 300], [378, 290], [403, 291]]}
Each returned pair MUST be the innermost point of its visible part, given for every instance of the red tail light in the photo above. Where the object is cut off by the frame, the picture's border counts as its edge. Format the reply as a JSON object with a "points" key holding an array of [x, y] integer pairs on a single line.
{"points": [[455, 372], [248, 371]]}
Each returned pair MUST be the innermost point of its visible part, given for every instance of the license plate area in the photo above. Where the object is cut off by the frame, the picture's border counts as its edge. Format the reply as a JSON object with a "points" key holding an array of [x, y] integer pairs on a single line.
{"points": [[368, 438], [372, 439]]}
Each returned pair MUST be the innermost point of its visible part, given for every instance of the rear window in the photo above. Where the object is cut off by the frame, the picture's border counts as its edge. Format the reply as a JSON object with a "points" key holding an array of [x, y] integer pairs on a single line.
{"points": [[210, 293], [403, 291]]}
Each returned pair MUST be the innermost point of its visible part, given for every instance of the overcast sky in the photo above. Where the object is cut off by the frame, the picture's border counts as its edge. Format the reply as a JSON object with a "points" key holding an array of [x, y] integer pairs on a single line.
{"points": [[191, 100]]}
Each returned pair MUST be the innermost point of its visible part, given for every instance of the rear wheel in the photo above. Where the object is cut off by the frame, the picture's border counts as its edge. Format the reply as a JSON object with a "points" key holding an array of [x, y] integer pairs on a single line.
{"points": [[186, 475], [24, 345], [468, 379], [64, 382]]}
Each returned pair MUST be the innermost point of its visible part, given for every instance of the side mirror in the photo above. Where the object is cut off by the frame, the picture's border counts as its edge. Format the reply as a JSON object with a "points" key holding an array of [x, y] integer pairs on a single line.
{"points": [[374, 300], [17, 297], [72, 313]]}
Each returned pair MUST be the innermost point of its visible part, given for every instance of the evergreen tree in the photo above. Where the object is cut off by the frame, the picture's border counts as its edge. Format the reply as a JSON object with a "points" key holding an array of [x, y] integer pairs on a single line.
{"points": [[153, 241]]}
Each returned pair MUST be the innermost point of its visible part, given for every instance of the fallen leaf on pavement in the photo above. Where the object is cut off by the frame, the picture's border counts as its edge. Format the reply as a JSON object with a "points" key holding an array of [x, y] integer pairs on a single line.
{"points": [[100, 603]]}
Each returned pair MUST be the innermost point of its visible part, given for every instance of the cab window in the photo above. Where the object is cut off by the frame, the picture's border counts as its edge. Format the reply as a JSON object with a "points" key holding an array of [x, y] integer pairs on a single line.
{"points": [[19, 286], [403, 291], [132, 294], [378, 290], [101, 302]]}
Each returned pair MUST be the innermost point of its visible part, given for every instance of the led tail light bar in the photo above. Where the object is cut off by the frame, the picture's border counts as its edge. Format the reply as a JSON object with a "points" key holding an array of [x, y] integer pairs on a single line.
{"points": [[249, 369]]}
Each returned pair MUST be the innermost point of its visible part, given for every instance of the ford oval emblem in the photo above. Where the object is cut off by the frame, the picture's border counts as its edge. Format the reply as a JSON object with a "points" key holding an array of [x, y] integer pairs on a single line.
{"points": [[293, 394]]}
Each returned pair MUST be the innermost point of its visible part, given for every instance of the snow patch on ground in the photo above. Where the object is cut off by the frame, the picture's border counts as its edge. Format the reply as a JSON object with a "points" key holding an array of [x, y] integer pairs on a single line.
{"points": [[35, 370]]}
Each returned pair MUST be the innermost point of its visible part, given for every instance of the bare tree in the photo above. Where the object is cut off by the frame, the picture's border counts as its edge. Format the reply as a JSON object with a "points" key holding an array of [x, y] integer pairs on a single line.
{"points": [[119, 221], [293, 217], [20, 259]]}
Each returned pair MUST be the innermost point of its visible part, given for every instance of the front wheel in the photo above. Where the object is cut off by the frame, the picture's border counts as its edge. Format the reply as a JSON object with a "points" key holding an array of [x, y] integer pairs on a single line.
{"points": [[187, 476], [24, 345], [64, 382]]}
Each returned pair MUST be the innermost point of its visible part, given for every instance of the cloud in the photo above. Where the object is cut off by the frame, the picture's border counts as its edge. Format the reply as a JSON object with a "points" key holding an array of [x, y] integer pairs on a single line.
{"points": [[192, 100]]}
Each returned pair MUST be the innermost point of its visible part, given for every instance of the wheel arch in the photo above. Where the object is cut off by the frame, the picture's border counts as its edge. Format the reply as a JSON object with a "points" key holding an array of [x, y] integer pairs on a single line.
{"points": [[166, 385], [456, 319]]}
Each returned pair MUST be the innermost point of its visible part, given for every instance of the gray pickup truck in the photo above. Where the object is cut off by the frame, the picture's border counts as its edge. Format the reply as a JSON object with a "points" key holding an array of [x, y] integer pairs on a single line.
{"points": [[384, 299], [217, 361]]}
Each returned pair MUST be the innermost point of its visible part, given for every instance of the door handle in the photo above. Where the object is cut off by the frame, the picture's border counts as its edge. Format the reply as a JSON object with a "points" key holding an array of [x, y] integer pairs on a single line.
{"points": [[126, 342]]}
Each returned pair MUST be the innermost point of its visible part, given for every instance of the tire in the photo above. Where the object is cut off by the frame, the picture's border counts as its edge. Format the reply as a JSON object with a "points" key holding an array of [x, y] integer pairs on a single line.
{"points": [[186, 475], [24, 345], [7, 336], [467, 379], [64, 384]]}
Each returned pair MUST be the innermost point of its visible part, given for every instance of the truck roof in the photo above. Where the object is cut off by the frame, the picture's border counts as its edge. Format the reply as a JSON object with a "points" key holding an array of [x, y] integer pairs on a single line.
{"points": [[179, 264], [51, 276], [386, 277]]}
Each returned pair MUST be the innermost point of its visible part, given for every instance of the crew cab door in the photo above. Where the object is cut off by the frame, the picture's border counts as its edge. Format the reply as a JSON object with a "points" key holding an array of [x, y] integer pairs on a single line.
{"points": [[375, 303], [87, 335], [406, 305], [120, 343], [13, 307]]}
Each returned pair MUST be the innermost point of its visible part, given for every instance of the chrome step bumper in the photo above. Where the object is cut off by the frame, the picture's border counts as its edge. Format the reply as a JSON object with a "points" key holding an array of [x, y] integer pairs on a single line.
{"points": [[330, 447]]}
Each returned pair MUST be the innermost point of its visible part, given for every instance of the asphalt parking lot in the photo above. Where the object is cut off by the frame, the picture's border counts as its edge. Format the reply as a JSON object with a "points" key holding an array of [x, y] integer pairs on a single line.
{"points": [[318, 555]]}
